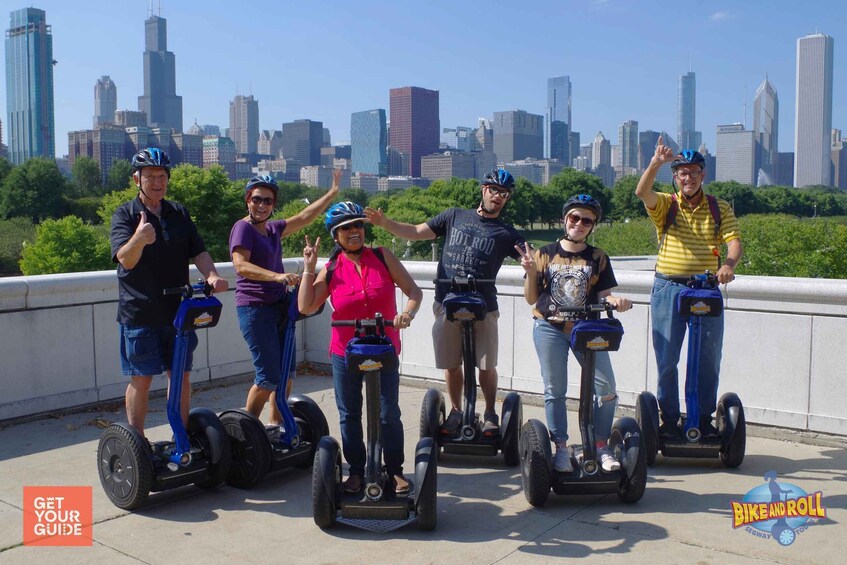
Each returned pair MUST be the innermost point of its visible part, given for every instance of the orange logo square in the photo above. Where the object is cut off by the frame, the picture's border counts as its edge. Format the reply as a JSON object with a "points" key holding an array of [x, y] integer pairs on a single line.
{"points": [[57, 515]]}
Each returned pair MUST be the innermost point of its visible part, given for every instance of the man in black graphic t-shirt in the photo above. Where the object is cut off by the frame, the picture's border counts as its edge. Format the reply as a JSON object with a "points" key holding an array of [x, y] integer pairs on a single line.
{"points": [[476, 243]]}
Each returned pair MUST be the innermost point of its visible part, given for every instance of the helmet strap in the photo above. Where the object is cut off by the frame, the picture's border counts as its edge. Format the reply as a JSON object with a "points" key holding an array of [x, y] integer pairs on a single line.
{"points": [[256, 222]]}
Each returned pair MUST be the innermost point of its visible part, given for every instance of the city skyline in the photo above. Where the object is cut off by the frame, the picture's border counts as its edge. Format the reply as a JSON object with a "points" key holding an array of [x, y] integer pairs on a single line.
{"points": [[349, 68]]}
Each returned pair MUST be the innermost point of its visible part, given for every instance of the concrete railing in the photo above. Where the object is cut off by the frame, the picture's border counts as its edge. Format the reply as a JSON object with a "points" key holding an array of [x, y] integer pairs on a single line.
{"points": [[782, 350]]}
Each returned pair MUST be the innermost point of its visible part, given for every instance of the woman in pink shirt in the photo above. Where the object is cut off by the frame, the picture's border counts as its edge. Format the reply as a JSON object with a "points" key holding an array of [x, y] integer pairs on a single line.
{"points": [[362, 284]]}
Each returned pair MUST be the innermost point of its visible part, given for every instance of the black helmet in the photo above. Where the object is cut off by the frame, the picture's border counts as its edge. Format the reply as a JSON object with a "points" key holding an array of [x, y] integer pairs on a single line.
{"points": [[688, 157], [584, 201], [151, 157], [266, 181], [499, 177]]}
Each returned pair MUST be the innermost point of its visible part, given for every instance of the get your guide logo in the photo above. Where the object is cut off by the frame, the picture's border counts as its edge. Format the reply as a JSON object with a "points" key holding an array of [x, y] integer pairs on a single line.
{"points": [[777, 510]]}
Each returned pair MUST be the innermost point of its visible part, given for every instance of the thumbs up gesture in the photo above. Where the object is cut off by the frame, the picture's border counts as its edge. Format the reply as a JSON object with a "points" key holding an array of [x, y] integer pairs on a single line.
{"points": [[145, 232]]}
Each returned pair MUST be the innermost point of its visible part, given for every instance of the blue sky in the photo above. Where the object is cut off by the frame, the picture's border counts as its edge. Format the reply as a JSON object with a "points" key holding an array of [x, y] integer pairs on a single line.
{"points": [[323, 59]]}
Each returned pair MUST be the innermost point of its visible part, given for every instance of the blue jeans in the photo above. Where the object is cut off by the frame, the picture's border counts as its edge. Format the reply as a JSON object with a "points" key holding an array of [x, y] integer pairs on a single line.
{"points": [[668, 333], [348, 398], [260, 326], [552, 346]]}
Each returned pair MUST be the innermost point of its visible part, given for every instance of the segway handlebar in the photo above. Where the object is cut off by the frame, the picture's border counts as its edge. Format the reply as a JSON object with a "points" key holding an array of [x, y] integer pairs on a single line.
{"points": [[590, 308], [464, 284], [364, 322], [189, 290]]}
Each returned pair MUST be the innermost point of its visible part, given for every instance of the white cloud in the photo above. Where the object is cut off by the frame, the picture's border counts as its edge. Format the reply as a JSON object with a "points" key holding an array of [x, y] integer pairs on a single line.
{"points": [[720, 16]]}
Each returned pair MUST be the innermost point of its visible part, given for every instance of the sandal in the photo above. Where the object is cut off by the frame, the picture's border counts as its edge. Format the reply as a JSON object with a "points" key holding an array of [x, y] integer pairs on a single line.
{"points": [[353, 484]]}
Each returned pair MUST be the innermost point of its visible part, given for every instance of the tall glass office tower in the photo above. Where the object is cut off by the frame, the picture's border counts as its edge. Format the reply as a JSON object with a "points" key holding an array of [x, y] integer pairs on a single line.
{"points": [[557, 119], [686, 135], [369, 142], [813, 112], [29, 86], [163, 106], [765, 127]]}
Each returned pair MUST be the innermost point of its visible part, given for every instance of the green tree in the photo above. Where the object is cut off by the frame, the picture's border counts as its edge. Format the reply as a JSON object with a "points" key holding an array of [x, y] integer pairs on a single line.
{"points": [[13, 233], [292, 246], [34, 190], [119, 176], [571, 182], [86, 178], [625, 204], [740, 196], [112, 201], [67, 245], [356, 195], [5, 169]]}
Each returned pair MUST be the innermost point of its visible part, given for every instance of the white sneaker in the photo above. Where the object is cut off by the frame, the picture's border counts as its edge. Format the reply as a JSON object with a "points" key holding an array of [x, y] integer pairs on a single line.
{"points": [[562, 460], [607, 460]]}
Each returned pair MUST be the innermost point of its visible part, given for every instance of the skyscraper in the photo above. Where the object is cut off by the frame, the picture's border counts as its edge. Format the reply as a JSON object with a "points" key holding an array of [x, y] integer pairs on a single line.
{"points": [[105, 101], [163, 106], [813, 110], [765, 128], [415, 124], [628, 140], [557, 119], [29, 86], [302, 141], [369, 142], [244, 123], [518, 135], [686, 135], [736, 154]]}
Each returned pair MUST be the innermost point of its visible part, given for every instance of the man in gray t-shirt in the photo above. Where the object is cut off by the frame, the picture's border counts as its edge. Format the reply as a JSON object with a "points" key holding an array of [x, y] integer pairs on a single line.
{"points": [[476, 242]]}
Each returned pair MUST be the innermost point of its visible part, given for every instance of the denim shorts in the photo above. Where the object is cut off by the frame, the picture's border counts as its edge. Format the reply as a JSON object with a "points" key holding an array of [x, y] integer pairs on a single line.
{"points": [[148, 350], [260, 327]]}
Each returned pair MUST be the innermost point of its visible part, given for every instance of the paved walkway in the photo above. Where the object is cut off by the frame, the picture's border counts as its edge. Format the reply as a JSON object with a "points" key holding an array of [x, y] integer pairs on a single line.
{"points": [[483, 517]]}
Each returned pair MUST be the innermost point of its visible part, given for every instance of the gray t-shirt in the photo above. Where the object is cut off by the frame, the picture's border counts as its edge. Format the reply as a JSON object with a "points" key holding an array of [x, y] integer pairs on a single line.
{"points": [[475, 246]]}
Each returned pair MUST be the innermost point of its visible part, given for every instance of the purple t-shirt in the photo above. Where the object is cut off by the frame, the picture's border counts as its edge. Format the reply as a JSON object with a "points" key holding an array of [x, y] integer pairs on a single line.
{"points": [[265, 252]]}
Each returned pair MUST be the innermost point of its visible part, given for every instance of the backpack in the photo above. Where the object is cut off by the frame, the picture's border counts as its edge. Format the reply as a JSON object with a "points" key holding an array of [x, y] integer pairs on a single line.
{"points": [[330, 267], [673, 210]]}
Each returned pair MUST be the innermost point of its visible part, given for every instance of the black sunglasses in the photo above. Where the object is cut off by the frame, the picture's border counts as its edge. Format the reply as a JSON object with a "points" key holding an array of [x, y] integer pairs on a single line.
{"points": [[268, 201], [359, 224], [577, 219]]}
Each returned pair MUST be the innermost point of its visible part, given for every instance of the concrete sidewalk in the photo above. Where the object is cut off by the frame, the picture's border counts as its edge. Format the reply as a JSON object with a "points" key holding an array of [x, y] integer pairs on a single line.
{"points": [[483, 517]]}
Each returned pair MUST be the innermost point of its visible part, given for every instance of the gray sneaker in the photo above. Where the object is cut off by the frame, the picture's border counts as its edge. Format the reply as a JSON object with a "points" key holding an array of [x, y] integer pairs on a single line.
{"points": [[562, 460], [453, 423], [607, 460]]}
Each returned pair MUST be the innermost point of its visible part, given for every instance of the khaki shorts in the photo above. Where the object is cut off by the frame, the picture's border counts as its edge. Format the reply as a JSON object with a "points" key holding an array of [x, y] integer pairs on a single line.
{"points": [[447, 340]]}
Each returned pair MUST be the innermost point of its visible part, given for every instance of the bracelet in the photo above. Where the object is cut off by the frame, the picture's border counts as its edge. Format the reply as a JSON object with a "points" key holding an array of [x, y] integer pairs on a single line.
{"points": [[308, 273]]}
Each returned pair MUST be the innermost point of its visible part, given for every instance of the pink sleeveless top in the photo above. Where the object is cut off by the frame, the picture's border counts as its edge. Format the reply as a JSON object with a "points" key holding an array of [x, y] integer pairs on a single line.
{"points": [[361, 296]]}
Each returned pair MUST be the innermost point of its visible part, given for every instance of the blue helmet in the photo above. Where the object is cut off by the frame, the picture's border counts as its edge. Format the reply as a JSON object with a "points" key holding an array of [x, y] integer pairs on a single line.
{"points": [[688, 157], [342, 213], [151, 157], [583, 201], [266, 181], [499, 177]]}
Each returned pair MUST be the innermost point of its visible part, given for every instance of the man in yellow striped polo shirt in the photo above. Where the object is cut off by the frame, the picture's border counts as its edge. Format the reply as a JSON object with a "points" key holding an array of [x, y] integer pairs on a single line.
{"points": [[688, 246]]}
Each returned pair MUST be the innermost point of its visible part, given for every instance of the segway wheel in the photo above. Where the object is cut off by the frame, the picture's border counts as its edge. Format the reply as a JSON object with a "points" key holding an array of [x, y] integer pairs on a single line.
{"points": [[433, 413], [535, 471], [251, 453], [311, 423], [427, 499], [626, 445], [783, 535], [513, 420], [732, 426], [205, 430], [647, 415], [326, 481], [125, 465]]}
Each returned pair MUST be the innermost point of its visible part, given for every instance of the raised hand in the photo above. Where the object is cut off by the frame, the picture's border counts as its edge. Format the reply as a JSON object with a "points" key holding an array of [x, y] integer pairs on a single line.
{"points": [[336, 179], [310, 254], [376, 217], [663, 154], [527, 257], [145, 232]]}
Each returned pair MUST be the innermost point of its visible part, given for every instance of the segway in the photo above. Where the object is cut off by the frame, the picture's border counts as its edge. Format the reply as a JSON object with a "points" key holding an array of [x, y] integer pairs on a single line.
{"points": [[258, 449], [131, 467], [538, 476], [377, 508], [464, 305], [700, 299]]}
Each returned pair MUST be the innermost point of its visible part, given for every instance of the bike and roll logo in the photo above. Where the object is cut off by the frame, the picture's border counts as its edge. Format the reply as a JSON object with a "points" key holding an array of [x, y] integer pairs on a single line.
{"points": [[777, 510]]}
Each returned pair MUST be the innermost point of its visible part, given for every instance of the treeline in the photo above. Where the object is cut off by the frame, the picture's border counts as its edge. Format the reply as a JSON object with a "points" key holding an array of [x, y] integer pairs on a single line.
{"points": [[50, 224]]}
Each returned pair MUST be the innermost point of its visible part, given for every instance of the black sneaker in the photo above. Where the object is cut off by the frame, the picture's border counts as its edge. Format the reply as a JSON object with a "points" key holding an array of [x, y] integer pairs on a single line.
{"points": [[453, 424], [707, 430], [670, 431]]}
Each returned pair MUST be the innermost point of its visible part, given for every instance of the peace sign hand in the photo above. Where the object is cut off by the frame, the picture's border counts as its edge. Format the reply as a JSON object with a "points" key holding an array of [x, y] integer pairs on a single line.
{"points": [[310, 255], [527, 258]]}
